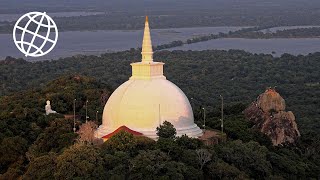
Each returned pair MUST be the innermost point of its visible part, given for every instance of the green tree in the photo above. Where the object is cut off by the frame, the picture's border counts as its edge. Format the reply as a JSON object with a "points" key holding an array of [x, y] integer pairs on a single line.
{"points": [[155, 164], [248, 157], [80, 161], [42, 167], [12, 173], [145, 143], [122, 141], [188, 143], [166, 130], [223, 170], [12, 149], [148, 164], [204, 156], [189, 157], [170, 147], [117, 164], [56, 137]]}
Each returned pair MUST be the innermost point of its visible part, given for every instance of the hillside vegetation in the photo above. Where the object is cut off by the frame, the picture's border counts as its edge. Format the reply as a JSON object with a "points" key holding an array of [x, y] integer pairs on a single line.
{"points": [[203, 75], [35, 146]]}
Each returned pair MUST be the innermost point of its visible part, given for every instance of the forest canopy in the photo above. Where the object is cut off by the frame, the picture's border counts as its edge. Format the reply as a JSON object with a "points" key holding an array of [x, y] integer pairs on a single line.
{"points": [[33, 145], [203, 75]]}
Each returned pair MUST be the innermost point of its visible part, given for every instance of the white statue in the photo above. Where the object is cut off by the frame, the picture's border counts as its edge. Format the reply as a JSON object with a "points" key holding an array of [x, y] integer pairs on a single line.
{"points": [[48, 109]]}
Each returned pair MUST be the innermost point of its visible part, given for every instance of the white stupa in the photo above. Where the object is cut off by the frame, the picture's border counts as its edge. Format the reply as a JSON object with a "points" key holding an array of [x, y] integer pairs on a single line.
{"points": [[147, 99]]}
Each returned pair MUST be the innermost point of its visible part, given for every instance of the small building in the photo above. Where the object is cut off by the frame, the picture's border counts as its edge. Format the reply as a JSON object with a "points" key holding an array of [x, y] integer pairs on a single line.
{"points": [[211, 137]]}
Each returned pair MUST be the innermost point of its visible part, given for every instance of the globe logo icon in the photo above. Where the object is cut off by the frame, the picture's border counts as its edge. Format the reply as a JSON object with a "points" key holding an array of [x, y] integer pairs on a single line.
{"points": [[35, 34]]}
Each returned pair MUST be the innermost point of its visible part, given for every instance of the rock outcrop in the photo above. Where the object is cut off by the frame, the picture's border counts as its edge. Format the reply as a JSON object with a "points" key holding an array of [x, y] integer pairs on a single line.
{"points": [[269, 117]]}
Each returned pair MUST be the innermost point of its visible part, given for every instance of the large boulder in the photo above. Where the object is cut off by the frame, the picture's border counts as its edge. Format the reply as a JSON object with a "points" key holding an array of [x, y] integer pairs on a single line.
{"points": [[269, 117], [271, 101]]}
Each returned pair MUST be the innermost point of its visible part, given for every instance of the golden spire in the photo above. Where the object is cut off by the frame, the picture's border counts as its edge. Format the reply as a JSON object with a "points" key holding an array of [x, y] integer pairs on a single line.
{"points": [[147, 53]]}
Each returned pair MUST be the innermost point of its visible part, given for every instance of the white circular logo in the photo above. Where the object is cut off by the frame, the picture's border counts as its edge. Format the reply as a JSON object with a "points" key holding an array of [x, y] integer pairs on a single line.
{"points": [[35, 34]]}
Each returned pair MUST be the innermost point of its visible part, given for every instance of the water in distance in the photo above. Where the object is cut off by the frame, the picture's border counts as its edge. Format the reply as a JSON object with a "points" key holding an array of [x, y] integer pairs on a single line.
{"points": [[98, 42], [277, 47]]}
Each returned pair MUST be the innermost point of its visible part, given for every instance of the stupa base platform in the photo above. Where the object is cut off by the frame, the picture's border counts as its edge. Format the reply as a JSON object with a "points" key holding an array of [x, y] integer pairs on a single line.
{"points": [[192, 131]]}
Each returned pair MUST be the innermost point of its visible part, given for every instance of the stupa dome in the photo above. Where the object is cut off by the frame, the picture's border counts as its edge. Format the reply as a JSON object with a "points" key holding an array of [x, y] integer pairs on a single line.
{"points": [[148, 99]]}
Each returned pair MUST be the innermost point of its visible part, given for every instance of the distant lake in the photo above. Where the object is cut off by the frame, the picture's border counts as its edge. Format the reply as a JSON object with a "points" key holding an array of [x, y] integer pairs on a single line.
{"points": [[279, 46], [14, 17], [98, 42], [280, 28]]}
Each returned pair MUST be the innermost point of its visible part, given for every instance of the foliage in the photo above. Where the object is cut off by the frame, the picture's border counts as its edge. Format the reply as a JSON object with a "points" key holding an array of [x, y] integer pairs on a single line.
{"points": [[312, 32], [248, 157], [250, 33], [188, 143], [145, 143], [209, 72], [117, 164], [223, 170], [169, 146], [54, 138], [166, 130], [12, 150], [122, 141], [47, 151], [87, 133], [155, 165], [42, 167], [204, 156], [80, 161], [237, 127]]}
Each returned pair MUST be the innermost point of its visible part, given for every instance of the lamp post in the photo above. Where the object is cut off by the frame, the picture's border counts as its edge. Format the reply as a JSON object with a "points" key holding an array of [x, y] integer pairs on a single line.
{"points": [[159, 115], [221, 113], [87, 111], [204, 118], [74, 115], [97, 116], [192, 105]]}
